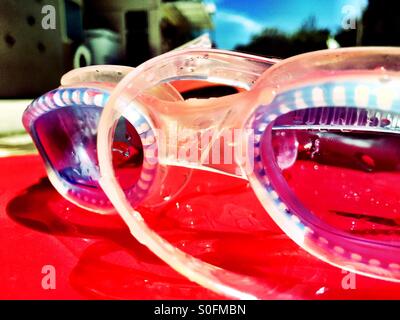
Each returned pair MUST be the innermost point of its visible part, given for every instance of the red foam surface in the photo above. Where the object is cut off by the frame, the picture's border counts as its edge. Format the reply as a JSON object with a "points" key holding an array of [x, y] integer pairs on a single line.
{"points": [[217, 219]]}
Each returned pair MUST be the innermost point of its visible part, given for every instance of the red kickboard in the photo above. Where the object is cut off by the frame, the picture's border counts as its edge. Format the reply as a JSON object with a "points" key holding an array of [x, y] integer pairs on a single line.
{"points": [[217, 218]]}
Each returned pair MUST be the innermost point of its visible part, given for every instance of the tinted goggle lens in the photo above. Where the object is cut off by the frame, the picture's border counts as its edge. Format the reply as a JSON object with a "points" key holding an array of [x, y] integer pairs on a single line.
{"points": [[343, 164], [67, 139]]}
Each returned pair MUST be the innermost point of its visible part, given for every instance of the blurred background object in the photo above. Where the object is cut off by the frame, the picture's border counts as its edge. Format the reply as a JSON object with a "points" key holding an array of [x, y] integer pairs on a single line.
{"points": [[32, 58], [148, 28], [326, 24], [128, 32], [101, 46], [87, 32]]}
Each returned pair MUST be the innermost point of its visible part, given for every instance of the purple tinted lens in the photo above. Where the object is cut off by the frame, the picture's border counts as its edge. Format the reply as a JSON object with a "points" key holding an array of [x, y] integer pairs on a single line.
{"points": [[343, 164], [67, 138]]}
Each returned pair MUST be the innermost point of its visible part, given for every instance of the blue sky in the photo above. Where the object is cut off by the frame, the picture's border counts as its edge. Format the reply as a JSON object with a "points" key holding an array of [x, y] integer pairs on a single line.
{"points": [[237, 20]]}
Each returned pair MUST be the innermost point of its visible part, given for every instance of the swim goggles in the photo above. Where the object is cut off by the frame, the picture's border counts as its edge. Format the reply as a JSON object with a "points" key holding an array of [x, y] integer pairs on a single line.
{"points": [[63, 125], [315, 135]]}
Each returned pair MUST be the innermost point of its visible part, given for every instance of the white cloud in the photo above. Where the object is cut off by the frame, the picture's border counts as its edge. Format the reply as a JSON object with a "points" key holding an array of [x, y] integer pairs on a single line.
{"points": [[247, 23], [233, 28]]}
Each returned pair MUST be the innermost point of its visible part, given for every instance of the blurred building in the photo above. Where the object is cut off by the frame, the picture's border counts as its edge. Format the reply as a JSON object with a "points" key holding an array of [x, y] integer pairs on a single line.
{"points": [[32, 59], [148, 28]]}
